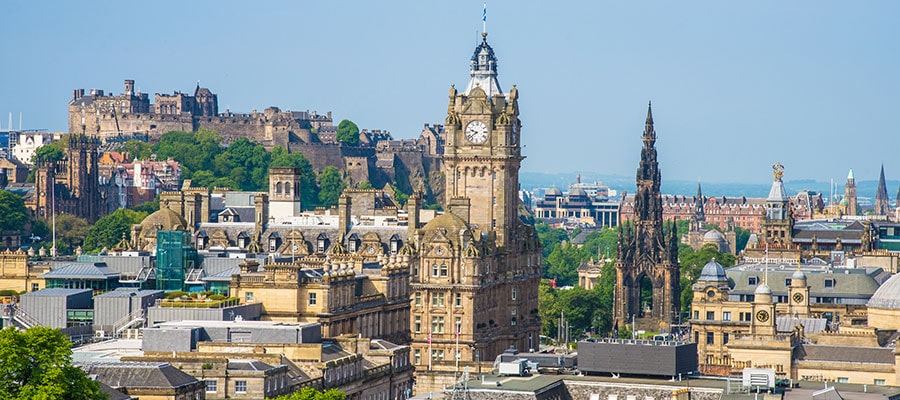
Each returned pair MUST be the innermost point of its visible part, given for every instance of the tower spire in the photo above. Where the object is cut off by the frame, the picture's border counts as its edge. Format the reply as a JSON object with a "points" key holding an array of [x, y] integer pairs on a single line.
{"points": [[881, 196]]}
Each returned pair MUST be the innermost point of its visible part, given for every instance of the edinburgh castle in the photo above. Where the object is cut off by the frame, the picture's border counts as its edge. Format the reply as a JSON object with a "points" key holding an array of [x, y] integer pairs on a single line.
{"points": [[410, 164]]}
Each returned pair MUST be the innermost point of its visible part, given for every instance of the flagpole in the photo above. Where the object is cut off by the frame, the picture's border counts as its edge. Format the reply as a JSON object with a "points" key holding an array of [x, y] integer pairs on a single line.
{"points": [[457, 349], [430, 355], [484, 19]]}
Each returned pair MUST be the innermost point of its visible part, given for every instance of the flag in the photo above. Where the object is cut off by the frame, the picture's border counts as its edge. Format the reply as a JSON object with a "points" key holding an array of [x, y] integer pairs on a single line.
{"points": [[429, 336], [484, 13]]}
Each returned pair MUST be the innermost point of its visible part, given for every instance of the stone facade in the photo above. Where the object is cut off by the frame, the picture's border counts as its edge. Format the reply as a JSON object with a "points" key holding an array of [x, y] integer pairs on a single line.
{"points": [[474, 288], [71, 185], [646, 251]]}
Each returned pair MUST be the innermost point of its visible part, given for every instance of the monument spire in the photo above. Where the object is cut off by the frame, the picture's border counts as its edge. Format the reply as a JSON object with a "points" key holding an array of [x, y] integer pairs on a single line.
{"points": [[881, 196]]}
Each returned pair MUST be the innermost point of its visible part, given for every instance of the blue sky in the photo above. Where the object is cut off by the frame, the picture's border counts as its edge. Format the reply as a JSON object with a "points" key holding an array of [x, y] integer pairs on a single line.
{"points": [[736, 86]]}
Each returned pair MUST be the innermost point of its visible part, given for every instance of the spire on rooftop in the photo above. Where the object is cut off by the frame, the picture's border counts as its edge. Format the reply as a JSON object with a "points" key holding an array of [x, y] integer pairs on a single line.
{"points": [[483, 69]]}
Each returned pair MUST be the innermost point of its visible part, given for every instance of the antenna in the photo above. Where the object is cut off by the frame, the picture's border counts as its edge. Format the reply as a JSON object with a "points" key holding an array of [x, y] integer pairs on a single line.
{"points": [[10, 121], [20, 121]]}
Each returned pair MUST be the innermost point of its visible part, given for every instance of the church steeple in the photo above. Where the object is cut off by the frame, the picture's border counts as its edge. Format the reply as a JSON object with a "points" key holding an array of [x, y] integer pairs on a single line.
{"points": [[649, 132], [483, 71], [850, 194], [699, 215], [881, 196]]}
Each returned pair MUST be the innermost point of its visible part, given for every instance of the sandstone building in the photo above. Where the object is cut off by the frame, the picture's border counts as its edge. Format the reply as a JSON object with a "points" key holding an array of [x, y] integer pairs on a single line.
{"points": [[70, 185]]}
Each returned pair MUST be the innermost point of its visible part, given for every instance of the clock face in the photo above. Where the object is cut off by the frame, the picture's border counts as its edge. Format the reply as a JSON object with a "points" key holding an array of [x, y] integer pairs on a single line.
{"points": [[798, 297], [476, 132], [762, 316], [711, 293]]}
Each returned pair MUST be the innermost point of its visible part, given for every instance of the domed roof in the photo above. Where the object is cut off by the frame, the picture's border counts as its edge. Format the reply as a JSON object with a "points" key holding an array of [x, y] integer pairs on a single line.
{"points": [[573, 192], [763, 289], [164, 219], [887, 295], [713, 236], [798, 274], [844, 201], [553, 192], [713, 272], [448, 221]]}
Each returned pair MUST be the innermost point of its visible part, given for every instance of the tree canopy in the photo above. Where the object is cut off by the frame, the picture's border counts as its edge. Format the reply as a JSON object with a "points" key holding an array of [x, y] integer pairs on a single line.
{"points": [[309, 191], [309, 393], [348, 133], [70, 232], [109, 230], [50, 152], [13, 215], [37, 364], [330, 186]]}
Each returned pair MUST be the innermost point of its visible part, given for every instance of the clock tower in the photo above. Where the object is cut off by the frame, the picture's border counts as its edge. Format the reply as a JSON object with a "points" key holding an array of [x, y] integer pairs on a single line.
{"points": [[482, 154]]}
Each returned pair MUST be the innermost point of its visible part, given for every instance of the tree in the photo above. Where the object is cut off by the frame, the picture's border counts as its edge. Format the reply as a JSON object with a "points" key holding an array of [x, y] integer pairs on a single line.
{"points": [[137, 149], [365, 185], [109, 230], [550, 237], [347, 133], [330, 186], [563, 262], [195, 151], [49, 152], [37, 364], [71, 232], [13, 215], [246, 163], [309, 393]]}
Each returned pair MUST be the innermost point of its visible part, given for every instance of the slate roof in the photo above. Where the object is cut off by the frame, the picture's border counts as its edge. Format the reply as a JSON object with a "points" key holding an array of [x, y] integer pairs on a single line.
{"points": [[848, 282], [810, 325], [852, 354], [131, 292], [56, 292], [248, 365], [86, 271], [143, 375], [113, 394], [331, 351]]}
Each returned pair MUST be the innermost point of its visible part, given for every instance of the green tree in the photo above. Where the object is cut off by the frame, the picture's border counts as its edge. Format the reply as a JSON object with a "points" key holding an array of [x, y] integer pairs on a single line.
{"points": [[601, 243], [138, 149], [550, 237], [37, 364], [70, 232], [309, 393], [109, 230], [13, 215], [246, 163], [692, 262], [347, 133], [149, 207], [563, 262], [330, 186], [195, 151], [309, 191], [365, 185], [51, 152]]}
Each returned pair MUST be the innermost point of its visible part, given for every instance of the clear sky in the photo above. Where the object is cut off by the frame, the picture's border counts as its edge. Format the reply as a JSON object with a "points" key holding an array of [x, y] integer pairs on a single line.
{"points": [[736, 86]]}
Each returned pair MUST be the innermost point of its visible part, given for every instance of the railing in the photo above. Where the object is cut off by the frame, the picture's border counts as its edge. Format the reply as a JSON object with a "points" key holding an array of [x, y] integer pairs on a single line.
{"points": [[26, 320], [229, 302], [128, 321]]}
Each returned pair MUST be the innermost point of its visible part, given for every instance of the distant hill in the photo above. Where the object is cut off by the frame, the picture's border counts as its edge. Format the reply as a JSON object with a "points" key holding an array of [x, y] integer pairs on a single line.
{"points": [[865, 189]]}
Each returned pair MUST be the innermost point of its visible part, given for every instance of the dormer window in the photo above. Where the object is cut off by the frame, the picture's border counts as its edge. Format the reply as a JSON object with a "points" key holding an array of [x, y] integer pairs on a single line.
{"points": [[753, 281], [353, 243], [321, 242], [395, 244], [243, 239], [274, 241]]}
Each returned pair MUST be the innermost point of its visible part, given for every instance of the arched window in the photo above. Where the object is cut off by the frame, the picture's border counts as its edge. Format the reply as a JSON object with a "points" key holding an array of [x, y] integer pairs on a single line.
{"points": [[278, 188]]}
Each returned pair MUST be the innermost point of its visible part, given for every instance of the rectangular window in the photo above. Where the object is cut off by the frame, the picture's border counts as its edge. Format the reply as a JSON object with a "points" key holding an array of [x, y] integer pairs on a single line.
{"points": [[437, 300], [842, 379], [312, 299], [248, 297], [434, 270], [418, 324], [437, 324], [458, 300], [829, 283], [35, 287], [787, 282], [418, 299], [417, 357], [240, 386], [696, 314], [513, 317], [513, 293], [710, 338], [726, 315], [710, 315], [210, 386], [880, 382], [725, 338], [437, 355], [443, 269], [752, 281], [457, 324], [696, 337]]}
